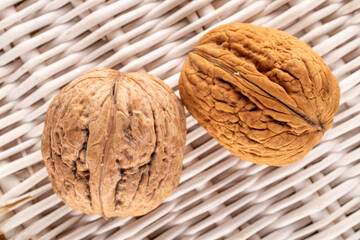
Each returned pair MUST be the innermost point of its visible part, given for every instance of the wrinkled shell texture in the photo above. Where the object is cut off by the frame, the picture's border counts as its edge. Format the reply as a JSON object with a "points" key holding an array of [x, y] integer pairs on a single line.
{"points": [[113, 143], [264, 95]]}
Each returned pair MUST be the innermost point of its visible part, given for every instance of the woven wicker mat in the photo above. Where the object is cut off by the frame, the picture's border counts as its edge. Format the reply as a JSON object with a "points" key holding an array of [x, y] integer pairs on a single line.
{"points": [[45, 44]]}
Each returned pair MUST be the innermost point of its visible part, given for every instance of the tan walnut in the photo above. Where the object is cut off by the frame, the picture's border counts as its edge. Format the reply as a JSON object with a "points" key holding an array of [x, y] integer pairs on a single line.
{"points": [[113, 143], [263, 94]]}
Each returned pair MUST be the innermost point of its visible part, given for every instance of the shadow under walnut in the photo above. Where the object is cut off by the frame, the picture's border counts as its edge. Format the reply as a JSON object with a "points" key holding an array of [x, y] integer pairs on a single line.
{"points": [[263, 94], [113, 143]]}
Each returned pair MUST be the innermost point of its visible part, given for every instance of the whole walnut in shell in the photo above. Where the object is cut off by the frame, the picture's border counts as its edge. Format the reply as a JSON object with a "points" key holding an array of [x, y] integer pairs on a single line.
{"points": [[113, 143], [263, 94]]}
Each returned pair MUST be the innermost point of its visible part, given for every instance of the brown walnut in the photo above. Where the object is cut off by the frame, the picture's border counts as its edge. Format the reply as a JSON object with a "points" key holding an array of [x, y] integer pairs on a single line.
{"points": [[263, 94], [113, 143]]}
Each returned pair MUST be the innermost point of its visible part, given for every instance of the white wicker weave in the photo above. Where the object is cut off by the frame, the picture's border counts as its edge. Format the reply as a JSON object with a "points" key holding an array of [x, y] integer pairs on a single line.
{"points": [[45, 44]]}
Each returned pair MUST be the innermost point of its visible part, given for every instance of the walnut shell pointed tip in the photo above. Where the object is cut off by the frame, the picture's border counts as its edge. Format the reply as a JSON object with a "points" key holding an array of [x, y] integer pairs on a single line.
{"points": [[113, 143], [263, 94]]}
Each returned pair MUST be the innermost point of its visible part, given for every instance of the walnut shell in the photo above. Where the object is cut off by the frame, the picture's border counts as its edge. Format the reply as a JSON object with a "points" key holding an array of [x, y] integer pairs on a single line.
{"points": [[264, 95], [113, 143]]}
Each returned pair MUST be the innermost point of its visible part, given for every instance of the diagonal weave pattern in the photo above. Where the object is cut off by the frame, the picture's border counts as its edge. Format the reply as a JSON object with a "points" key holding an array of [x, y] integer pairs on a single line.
{"points": [[46, 44]]}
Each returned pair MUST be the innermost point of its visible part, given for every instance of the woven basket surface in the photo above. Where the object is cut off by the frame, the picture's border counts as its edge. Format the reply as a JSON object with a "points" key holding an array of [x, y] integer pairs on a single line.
{"points": [[45, 44]]}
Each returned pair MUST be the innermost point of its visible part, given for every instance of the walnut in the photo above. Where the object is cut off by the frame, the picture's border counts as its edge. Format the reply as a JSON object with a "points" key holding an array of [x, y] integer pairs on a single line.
{"points": [[113, 143], [264, 95]]}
